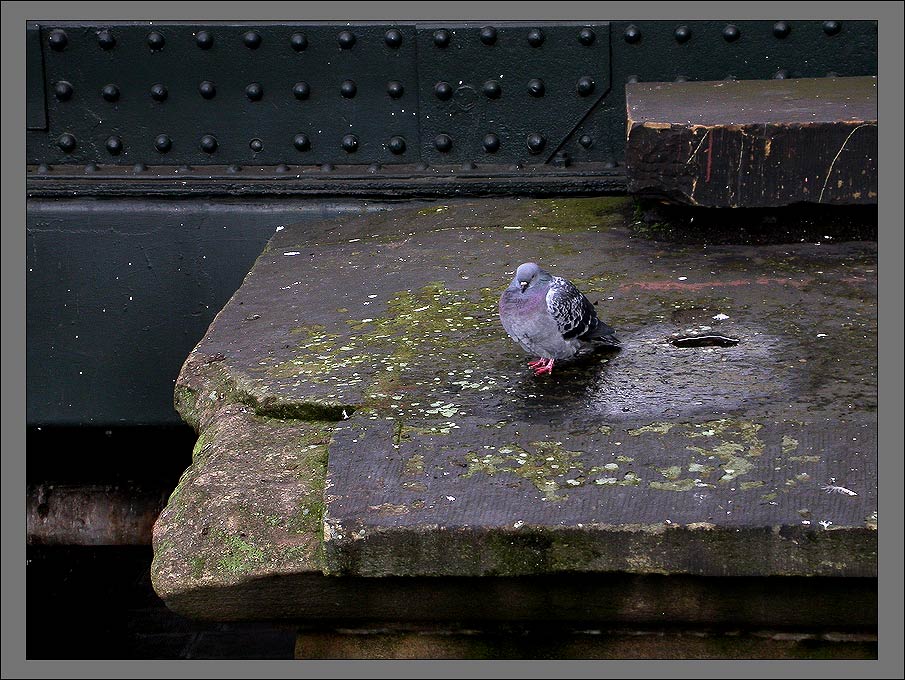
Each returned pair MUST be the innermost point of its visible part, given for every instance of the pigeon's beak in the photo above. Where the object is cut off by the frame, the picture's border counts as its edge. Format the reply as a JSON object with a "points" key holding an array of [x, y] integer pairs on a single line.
{"points": [[523, 284]]}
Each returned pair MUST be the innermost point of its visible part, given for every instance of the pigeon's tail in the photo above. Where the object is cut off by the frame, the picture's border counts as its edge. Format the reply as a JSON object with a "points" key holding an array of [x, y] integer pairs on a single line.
{"points": [[603, 336]]}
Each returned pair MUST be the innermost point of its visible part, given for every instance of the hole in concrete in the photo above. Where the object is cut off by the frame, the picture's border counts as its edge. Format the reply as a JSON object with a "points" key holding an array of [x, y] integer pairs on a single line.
{"points": [[707, 340]]}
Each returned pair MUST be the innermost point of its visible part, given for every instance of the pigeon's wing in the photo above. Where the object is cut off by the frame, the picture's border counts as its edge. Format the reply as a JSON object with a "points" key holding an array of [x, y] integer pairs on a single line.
{"points": [[573, 312]]}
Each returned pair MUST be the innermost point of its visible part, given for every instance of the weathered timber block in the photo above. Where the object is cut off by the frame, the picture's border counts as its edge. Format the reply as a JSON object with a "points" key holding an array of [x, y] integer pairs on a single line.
{"points": [[754, 143], [451, 470]]}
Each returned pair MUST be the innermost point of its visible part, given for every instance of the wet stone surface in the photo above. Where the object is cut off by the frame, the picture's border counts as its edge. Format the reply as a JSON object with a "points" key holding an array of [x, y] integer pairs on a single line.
{"points": [[448, 457]]}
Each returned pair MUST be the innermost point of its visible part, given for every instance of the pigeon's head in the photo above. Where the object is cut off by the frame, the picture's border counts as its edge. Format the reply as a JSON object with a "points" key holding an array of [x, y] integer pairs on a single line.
{"points": [[528, 275]]}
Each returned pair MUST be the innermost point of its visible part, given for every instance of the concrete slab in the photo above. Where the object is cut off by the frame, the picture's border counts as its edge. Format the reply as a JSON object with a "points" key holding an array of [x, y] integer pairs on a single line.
{"points": [[447, 457]]}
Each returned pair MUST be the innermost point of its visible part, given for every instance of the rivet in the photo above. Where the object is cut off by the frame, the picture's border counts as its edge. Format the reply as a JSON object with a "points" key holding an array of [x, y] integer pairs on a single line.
{"points": [[256, 145], [156, 41], [781, 74], [298, 42], [395, 89], [831, 27], [492, 89], [252, 40], [536, 87], [536, 37], [488, 35], [443, 143], [208, 144], [633, 79], [350, 143], [185, 167], [396, 145], [66, 142], [586, 141], [158, 92], [609, 164], [301, 142], [832, 74], [110, 92], [374, 168], [254, 91], [114, 145], [441, 38], [326, 167], [586, 36], [348, 89], [491, 143], [43, 168], [535, 142], [207, 89], [282, 167], [682, 34], [632, 35], [234, 167], [584, 86], [139, 167], [731, 33], [204, 40], [469, 165], [92, 167], [681, 78], [58, 40], [106, 39], [346, 39], [422, 166], [62, 90], [561, 160], [781, 29], [301, 90], [393, 38], [730, 76], [163, 143], [515, 166], [443, 90]]}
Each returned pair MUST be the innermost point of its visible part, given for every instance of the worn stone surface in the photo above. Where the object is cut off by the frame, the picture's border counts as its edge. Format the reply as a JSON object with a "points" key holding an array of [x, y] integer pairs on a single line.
{"points": [[447, 457], [754, 143]]}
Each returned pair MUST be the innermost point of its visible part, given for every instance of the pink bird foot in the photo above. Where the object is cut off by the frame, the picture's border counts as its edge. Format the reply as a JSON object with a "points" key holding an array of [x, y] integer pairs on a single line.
{"points": [[542, 367], [536, 363]]}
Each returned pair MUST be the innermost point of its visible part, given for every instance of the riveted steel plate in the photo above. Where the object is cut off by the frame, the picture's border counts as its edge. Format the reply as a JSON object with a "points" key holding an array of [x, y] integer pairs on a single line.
{"points": [[530, 79]]}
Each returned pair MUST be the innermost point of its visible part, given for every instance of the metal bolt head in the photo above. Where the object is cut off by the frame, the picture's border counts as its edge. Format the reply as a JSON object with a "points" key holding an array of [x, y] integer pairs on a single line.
{"points": [[731, 33], [163, 143], [781, 74], [204, 40], [586, 141], [536, 37], [491, 143], [110, 92], [488, 35], [831, 27], [442, 38], [781, 29], [492, 89], [256, 145], [92, 167], [106, 39], [350, 143], [139, 167], [681, 78], [443, 143], [584, 86], [234, 167], [252, 40], [114, 145], [254, 91], [301, 90], [682, 34], [208, 144], [346, 39], [58, 40], [62, 90], [348, 89], [158, 92], [396, 145], [536, 87], [301, 142], [586, 36], [156, 41], [298, 42], [207, 89], [535, 142], [395, 89], [67, 142], [393, 38], [443, 90], [632, 35], [633, 79]]}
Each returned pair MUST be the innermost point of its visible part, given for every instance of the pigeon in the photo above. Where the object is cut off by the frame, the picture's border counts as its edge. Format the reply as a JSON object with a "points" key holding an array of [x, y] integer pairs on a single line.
{"points": [[550, 318]]}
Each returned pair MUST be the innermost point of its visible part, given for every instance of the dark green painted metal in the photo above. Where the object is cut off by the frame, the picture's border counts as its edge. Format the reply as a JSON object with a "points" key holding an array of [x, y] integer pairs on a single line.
{"points": [[35, 93]]}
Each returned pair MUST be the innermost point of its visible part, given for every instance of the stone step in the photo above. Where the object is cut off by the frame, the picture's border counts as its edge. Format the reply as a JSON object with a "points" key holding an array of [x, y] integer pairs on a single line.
{"points": [[754, 143]]}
